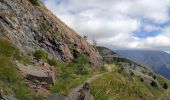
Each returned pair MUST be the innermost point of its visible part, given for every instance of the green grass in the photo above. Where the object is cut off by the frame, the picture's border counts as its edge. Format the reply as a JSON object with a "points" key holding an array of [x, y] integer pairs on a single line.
{"points": [[11, 81], [40, 54], [8, 50], [46, 27], [70, 74], [73, 74], [115, 86]]}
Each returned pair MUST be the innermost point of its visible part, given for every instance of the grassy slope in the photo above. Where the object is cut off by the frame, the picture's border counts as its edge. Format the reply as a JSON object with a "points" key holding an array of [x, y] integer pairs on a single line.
{"points": [[10, 80], [69, 74], [115, 86], [69, 79]]}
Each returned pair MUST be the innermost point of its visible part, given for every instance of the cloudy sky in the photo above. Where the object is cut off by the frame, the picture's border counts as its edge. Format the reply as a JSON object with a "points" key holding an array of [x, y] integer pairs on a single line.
{"points": [[118, 24]]}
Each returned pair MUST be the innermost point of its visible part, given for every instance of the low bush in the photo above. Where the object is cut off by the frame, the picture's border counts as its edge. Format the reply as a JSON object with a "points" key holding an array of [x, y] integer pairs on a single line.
{"points": [[153, 83], [35, 2], [165, 86], [53, 62], [131, 73], [154, 77], [81, 64], [40, 54]]}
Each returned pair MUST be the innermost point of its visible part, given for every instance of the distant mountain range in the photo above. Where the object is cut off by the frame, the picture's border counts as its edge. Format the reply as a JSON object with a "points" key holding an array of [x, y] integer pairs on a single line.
{"points": [[159, 61]]}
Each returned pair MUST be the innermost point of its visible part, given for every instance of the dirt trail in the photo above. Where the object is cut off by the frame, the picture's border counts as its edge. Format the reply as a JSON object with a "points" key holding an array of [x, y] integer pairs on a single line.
{"points": [[74, 94]]}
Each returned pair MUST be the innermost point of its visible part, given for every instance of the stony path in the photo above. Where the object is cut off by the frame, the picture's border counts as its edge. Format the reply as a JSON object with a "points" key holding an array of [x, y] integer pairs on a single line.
{"points": [[74, 94]]}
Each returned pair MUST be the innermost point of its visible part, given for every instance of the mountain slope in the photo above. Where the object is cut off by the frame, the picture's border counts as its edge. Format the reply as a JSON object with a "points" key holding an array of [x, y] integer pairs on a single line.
{"points": [[128, 80], [156, 60], [39, 54], [30, 26]]}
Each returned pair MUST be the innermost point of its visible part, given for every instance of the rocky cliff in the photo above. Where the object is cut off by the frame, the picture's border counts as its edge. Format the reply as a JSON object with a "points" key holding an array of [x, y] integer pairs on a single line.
{"points": [[31, 27]]}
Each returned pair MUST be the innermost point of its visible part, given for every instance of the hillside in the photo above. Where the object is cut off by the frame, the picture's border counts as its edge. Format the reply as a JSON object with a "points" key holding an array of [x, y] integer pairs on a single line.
{"points": [[39, 54], [30, 26], [41, 58], [156, 60], [128, 81]]}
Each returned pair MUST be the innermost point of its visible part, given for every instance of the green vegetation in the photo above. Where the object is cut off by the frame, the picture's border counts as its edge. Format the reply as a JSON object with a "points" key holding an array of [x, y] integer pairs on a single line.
{"points": [[154, 84], [8, 50], [10, 79], [165, 86], [53, 62], [71, 74], [85, 37], [81, 64], [46, 27], [40, 54], [116, 86], [35, 2]]}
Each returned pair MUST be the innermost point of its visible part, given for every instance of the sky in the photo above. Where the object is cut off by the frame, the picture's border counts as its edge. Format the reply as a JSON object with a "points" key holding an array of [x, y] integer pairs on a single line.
{"points": [[118, 24]]}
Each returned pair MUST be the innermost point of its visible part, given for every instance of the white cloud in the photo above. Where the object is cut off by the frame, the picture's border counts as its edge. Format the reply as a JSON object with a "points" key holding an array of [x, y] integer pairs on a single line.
{"points": [[113, 22]]}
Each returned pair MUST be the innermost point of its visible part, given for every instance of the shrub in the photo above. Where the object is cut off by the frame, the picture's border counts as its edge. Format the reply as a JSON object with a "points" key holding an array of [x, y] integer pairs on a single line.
{"points": [[52, 62], [85, 37], [154, 77], [40, 54], [165, 86], [35, 2], [131, 73], [81, 69], [80, 64], [153, 83], [81, 59], [141, 79]]}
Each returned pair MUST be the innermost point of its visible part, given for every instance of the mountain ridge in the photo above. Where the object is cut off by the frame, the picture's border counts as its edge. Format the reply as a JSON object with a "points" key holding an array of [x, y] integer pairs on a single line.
{"points": [[156, 60]]}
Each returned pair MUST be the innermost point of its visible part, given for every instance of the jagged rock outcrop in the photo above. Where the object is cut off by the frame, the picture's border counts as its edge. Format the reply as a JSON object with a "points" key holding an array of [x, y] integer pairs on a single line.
{"points": [[32, 27]]}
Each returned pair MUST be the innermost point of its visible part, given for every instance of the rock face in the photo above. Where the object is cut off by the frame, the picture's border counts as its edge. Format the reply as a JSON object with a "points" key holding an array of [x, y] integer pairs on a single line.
{"points": [[32, 27]]}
